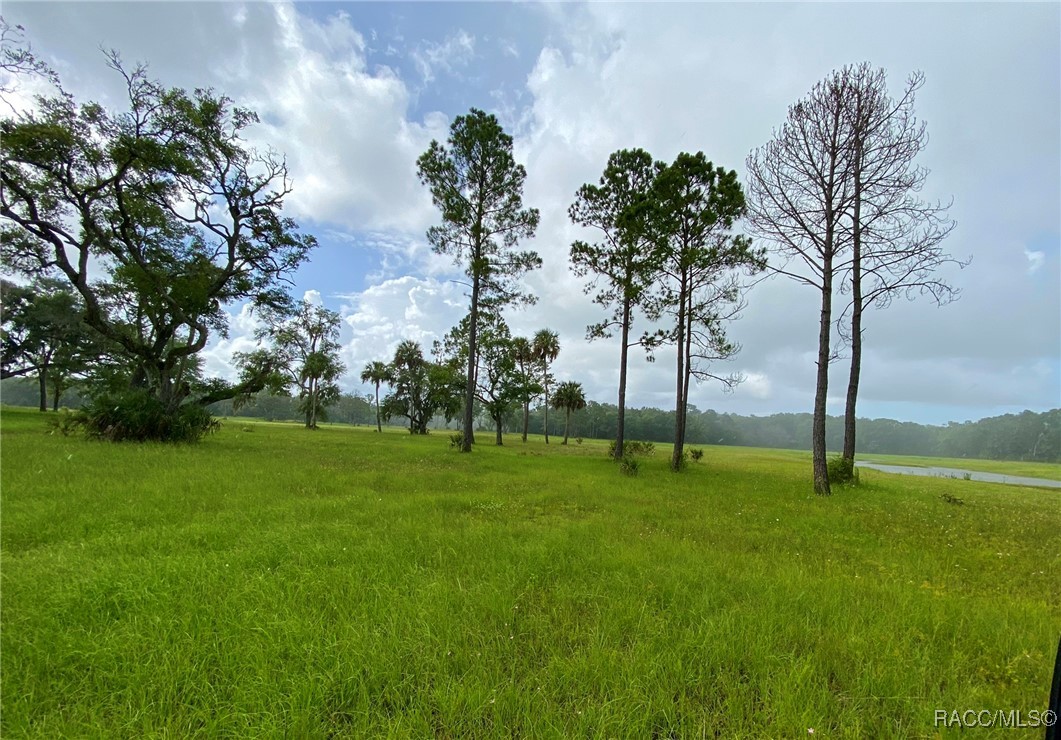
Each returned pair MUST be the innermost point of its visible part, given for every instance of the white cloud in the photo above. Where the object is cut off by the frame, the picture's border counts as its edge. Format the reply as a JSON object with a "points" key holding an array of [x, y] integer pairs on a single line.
{"points": [[344, 128], [666, 78], [377, 319], [451, 55], [630, 75], [217, 357], [349, 143], [509, 48], [757, 385], [1035, 260]]}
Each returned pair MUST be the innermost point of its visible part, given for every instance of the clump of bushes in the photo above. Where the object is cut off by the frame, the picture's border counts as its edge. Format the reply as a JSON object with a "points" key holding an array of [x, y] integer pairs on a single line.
{"points": [[456, 440], [137, 416], [66, 422], [629, 465], [842, 471], [696, 454], [633, 448]]}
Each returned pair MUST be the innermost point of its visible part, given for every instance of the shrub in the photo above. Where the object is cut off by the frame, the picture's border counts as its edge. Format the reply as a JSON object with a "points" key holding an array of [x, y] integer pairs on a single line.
{"points": [[66, 422], [578, 440], [629, 465], [633, 447], [696, 454], [456, 440], [842, 471], [138, 416]]}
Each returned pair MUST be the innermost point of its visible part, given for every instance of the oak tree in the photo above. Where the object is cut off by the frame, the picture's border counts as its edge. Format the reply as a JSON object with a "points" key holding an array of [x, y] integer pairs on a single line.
{"points": [[305, 345], [158, 215], [420, 389]]}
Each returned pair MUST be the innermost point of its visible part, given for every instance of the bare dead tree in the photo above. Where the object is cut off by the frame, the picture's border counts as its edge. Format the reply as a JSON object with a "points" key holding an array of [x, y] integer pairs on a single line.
{"points": [[895, 237], [799, 190], [836, 192]]}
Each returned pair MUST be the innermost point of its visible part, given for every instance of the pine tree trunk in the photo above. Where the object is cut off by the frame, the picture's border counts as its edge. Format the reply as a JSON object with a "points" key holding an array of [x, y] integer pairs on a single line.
{"points": [[818, 451], [856, 315], [852, 384], [688, 371], [473, 335], [526, 418], [679, 395], [621, 420]]}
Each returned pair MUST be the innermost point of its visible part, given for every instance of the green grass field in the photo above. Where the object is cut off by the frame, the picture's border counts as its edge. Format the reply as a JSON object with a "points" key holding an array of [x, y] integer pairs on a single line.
{"points": [[342, 583]]}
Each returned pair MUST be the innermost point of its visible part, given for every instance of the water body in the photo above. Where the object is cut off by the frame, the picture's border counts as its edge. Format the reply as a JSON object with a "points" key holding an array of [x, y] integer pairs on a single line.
{"points": [[1014, 480]]}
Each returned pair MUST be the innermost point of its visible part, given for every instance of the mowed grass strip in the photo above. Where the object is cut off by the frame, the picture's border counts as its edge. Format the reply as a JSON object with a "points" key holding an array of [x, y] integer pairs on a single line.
{"points": [[344, 583]]}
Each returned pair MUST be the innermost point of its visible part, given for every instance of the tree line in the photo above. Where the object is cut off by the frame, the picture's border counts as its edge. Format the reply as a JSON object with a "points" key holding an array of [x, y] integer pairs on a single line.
{"points": [[146, 222], [1028, 435]]}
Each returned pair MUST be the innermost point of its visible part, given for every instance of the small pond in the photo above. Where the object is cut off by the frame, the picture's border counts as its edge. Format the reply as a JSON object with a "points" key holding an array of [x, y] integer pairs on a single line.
{"points": [[1015, 480]]}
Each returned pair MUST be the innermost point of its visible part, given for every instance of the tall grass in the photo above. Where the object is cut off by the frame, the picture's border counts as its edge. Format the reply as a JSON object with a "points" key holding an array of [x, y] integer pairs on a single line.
{"points": [[280, 582]]}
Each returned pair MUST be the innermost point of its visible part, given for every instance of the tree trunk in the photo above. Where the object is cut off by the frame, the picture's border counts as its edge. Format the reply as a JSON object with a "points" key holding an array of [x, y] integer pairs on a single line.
{"points": [[526, 418], [621, 420], [567, 426], [852, 383], [688, 371], [379, 424], [679, 395], [500, 440], [821, 470], [57, 393], [856, 312], [42, 377], [473, 335], [545, 382]]}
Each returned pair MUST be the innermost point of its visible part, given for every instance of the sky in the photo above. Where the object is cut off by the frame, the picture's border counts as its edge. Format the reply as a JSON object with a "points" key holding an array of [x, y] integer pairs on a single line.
{"points": [[353, 93]]}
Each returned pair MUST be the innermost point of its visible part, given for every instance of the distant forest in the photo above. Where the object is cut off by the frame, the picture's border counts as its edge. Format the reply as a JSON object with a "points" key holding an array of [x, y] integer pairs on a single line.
{"points": [[1024, 436]]}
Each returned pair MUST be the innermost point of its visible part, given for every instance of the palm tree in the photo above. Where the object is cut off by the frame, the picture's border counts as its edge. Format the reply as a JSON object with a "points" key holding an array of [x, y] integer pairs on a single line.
{"points": [[376, 372], [524, 354], [570, 397], [546, 346]]}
